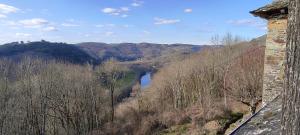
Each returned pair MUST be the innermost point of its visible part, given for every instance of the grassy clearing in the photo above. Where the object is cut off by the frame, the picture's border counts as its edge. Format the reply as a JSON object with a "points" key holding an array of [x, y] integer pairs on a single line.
{"points": [[124, 85], [130, 78]]}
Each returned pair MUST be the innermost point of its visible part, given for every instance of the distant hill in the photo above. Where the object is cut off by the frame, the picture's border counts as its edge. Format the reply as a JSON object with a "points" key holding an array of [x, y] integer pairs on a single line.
{"points": [[135, 51], [259, 40], [95, 53], [46, 50]]}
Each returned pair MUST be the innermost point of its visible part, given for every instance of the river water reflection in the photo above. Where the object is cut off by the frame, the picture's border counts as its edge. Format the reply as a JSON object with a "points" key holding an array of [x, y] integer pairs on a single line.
{"points": [[145, 80]]}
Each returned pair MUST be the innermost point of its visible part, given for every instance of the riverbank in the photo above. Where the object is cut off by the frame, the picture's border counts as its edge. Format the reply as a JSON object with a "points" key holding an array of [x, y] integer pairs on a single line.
{"points": [[130, 84]]}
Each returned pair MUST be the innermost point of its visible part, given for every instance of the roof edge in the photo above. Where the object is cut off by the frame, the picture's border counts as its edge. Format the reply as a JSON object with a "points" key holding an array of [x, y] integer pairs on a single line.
{"points": [[273, 10]]}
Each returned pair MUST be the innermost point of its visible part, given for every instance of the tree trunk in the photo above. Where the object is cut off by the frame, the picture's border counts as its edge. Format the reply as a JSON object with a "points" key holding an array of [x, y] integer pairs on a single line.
{"points": [[290, 120], [225, 86], [112, 89]]}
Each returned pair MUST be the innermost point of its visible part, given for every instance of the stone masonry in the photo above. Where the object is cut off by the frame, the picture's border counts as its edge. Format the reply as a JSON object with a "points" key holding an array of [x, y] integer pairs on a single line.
{"points": [[273, 79], [274, 59]]}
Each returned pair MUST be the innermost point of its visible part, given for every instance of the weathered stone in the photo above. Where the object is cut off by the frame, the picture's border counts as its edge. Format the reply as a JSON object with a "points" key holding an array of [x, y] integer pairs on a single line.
{"points": [[265, 122], [274, 59]]}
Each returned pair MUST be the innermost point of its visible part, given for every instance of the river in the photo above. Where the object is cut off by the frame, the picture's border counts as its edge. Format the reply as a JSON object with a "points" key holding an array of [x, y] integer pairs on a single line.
{"points": [[145, 80]]}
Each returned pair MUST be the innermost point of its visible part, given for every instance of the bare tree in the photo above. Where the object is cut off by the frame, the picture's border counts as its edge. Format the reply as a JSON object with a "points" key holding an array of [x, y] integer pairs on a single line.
{"points": [[47, 97], [5, 93], [245, 78], [228, 39], [215, 40], [110, 72]]}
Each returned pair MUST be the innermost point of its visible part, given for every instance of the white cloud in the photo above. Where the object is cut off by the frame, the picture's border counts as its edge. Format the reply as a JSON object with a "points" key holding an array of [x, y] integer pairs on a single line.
{"points": [[34, 23], [146, 32], [6, 9], [70, 25], [137, 3], [9, 23], [242, 22], [116, 12], [105, 25], [22, 34], [249, 22], [188, 10], [161, 21], [50, 28], [109, 33], [109, 10], [2, 16], [124, 9], [263, 28], [111, 25]]}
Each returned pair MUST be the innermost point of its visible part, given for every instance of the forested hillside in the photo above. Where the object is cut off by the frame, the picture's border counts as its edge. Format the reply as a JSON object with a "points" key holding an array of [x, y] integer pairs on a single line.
{"points": [[46, 50], [145, 67], [203, 93], [96, 53], [139, 51]]}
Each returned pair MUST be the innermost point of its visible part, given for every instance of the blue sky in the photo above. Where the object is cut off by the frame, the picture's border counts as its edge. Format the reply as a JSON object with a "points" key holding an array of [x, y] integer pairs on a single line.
{"points": [[115, 21]]}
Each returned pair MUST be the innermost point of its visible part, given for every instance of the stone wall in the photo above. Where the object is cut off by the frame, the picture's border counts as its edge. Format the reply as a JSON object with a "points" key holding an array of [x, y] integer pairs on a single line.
{"points": [[274, 59]]}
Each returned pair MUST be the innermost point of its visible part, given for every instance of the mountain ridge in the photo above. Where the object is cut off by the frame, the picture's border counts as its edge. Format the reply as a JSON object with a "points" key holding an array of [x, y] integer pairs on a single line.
{"points": [[135, 51], [93, 52]]}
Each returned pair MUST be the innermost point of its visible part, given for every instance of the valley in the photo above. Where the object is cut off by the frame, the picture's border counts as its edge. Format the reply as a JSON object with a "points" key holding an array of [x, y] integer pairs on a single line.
{"points": [[139, 58], [138, 86], [149, 67]]}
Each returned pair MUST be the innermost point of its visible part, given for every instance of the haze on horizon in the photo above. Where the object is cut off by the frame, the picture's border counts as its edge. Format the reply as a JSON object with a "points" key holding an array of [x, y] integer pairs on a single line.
{"points": [[115, 21]]}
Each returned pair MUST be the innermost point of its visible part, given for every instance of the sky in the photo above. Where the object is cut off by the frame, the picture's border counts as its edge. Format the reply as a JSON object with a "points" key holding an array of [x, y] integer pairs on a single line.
{"points": [[136, 21]]}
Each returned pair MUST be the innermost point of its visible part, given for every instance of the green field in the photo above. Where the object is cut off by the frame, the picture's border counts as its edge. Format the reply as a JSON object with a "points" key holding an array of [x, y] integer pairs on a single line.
{"points": [[128, 80]]}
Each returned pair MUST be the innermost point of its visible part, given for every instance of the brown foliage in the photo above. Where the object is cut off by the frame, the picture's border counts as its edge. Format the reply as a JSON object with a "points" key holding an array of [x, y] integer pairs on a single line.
{"points": [[51, 98], [208, 80], [244, 80], [46, 97]]}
